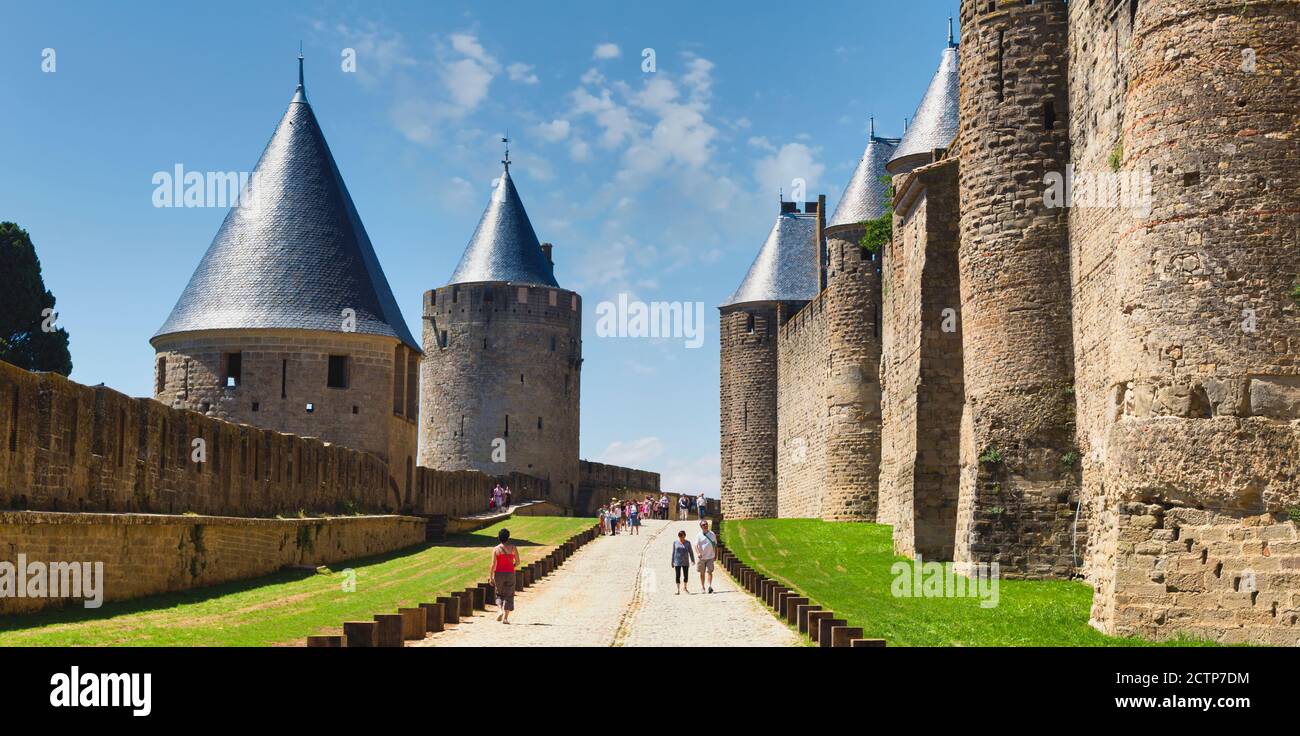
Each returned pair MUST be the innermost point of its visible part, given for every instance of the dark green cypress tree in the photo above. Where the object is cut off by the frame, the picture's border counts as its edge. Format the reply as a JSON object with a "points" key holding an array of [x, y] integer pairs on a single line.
{"points": [[28, 336]]}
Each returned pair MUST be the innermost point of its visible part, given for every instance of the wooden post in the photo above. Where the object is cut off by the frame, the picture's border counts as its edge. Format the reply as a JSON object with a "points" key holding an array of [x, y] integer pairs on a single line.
{"points": [[414, 623], [361, 633], [390, 629], [824, 627], [450, 607], [436, 616], [841, 636], [325, 641]]}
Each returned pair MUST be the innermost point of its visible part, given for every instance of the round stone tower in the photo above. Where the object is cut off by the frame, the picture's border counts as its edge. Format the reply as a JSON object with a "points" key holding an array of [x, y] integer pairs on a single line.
{"points": [[783, 277], [504, 345], [1208, 280], [288, 322], [1018, 458], [853, 326]]}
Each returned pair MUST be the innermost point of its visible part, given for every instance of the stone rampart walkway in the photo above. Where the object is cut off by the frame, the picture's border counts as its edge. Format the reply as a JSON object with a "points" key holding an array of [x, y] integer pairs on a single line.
{"points": [[618, 591]]}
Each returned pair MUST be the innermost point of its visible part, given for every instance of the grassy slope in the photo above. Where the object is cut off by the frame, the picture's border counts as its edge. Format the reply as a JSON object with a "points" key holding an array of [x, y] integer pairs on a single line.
{"points": [[289, 605], [846, 568]]}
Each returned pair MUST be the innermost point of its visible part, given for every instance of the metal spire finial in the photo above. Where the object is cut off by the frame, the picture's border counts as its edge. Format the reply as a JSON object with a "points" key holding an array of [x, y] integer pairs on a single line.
{"points": [[873, 126], [301, 93], [506, 140], [950, 38]]}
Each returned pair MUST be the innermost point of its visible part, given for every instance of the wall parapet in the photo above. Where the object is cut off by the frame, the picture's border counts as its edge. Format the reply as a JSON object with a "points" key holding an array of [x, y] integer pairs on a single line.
{"points": [[69, 447]]}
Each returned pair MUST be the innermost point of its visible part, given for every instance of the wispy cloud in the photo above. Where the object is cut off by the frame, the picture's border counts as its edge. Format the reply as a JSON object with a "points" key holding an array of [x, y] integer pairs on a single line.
{"points": [[607, 51]]}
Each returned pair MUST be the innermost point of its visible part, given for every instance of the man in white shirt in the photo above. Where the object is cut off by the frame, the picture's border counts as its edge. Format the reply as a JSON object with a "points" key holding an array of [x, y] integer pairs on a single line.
{"points": [[706, 551]]}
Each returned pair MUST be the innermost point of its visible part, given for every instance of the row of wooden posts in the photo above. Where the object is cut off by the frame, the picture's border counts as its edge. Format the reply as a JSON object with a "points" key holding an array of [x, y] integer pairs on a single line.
{"points": [[821, 626], [413, 624]]}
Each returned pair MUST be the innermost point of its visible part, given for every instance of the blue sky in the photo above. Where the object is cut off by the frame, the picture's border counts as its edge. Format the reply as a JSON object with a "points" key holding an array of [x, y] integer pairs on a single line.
{"points": [[659, 185]]}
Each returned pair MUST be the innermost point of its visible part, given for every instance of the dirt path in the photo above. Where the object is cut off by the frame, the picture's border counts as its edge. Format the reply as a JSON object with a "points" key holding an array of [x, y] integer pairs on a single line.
{"points": [[618, 591]]}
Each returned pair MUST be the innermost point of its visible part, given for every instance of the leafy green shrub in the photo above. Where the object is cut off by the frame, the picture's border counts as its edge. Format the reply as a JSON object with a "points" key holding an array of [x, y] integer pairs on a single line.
{"points": [[991, 454]]}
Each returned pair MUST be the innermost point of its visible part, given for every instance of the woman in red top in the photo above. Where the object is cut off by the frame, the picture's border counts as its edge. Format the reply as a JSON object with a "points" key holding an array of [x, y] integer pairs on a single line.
{"points": [[505, 558]]}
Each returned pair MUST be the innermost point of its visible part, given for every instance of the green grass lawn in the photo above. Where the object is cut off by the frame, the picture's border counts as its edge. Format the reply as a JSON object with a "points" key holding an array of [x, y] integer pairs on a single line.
{"points": [[288, 606], [845, 567]]}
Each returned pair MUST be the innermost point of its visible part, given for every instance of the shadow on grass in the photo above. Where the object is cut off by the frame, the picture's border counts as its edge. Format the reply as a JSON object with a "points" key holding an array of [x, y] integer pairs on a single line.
{"points": [[74, 612]]}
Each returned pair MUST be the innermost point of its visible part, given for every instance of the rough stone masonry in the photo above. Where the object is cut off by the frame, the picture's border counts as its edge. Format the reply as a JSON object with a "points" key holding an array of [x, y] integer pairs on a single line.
{"points": [[1117, 393]]}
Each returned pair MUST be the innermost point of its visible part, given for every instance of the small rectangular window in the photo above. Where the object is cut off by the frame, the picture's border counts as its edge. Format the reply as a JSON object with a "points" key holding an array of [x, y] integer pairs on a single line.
{"points": [[284, 378], [399, 389], [412, 385], [523, 295], [234, 369], [338, 372], [160, 383], [1049, 115]]}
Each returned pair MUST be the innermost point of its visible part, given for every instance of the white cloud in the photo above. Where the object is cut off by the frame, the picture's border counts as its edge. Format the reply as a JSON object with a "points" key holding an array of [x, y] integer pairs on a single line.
{"points": [[607, 51], [700, 475], [554, 131], [579, 151], [633, 453], [761, 143], [467, 82], [792, 161], [521, 72]]}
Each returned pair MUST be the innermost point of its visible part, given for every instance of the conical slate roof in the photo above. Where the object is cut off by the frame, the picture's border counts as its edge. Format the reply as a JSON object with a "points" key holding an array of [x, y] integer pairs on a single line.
{"points": [[936, 121], [787, 266], [867, 193], [504, 246], [294, 253]]}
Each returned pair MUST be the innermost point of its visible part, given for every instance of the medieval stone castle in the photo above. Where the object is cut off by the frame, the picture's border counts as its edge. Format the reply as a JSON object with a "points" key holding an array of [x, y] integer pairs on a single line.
{"points": [[289, 323], [1105, 387]]}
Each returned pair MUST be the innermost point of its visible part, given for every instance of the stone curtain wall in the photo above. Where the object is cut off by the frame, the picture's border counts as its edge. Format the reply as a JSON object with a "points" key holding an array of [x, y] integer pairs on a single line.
{"points": [[503, 362], [853, 390], [149, 554], [1019, 459], [921, 365], [69, 447], [802, 368], [281, 372], [1197, 573], [598, 482], [748, 411], [1200, 434]]}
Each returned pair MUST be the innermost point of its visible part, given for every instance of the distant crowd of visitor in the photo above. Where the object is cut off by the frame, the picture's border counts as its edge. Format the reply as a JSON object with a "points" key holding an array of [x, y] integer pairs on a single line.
{"points": [[626, 515]]}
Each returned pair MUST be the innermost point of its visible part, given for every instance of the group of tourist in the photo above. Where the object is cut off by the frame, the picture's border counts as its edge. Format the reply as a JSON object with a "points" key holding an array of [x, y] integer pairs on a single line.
{"points": [[499, 498], [627, 514]]}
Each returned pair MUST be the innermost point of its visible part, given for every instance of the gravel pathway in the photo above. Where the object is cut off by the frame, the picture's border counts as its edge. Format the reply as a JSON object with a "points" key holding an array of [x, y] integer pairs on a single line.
{"points": [[618, 591]]}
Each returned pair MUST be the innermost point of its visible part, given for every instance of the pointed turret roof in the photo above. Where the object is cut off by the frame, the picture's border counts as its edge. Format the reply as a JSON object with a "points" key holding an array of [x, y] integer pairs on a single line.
{"points": [[504, 246], [293, 253], [787, 265], [936, 121], [866, 195]]}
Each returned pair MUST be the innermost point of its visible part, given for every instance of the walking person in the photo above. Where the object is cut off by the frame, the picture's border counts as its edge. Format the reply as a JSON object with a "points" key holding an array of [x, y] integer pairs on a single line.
{"points": [[634, 519], [663, 506], [681, 507], [706, 549], [683, 558], [700, 504], [505, 558]]}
